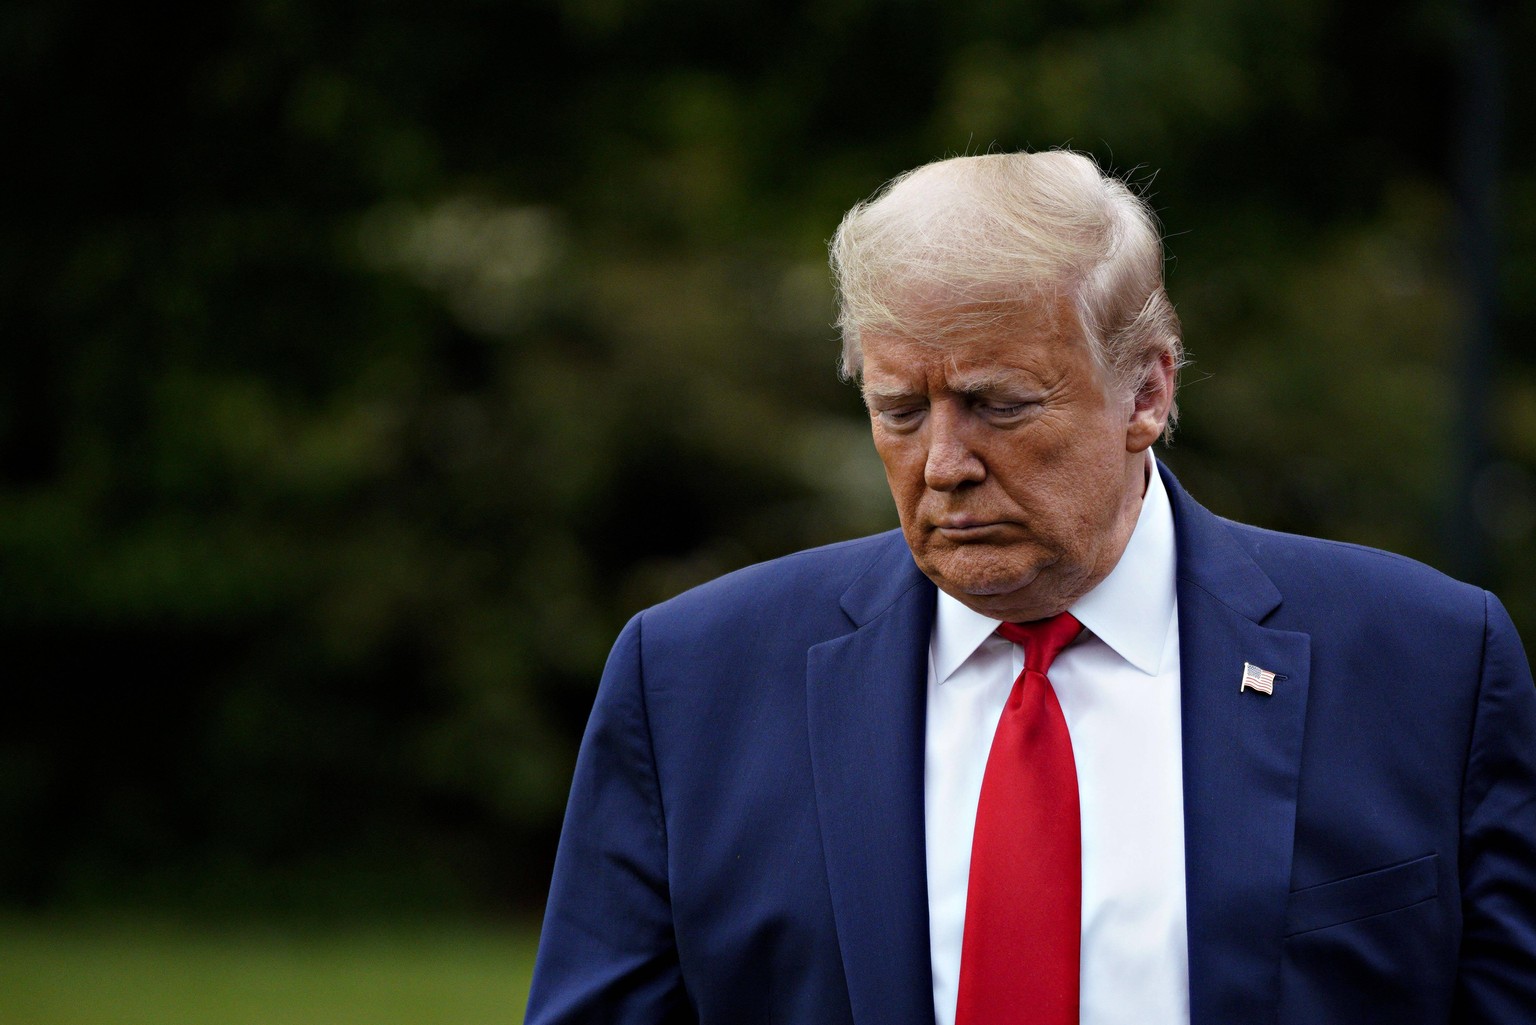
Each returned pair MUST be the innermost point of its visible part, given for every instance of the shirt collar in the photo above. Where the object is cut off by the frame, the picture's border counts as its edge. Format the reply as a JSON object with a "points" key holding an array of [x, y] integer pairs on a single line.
{"points": [[1129, 610]]}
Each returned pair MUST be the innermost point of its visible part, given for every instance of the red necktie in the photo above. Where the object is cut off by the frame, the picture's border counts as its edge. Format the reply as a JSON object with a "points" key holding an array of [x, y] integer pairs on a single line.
{"points": [[1020, 957]]}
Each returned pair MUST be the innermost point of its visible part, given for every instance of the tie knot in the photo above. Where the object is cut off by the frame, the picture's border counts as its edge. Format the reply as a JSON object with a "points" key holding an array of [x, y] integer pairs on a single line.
{"points": [[1043, 639]]}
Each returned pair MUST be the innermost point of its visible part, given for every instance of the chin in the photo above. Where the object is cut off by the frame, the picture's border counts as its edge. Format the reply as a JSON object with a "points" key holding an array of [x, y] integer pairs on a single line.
{"points": [[981, 575], [998, 590], [1017, 608], [1011, 593], [998, 597]]}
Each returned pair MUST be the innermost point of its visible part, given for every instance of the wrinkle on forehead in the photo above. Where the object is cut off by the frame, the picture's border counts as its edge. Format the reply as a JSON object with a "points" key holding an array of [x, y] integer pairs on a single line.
{"points": [[970, 358]]}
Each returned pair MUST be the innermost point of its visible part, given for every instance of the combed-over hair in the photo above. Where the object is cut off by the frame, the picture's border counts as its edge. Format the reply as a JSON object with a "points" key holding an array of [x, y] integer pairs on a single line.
{"points": [[962, 243]]}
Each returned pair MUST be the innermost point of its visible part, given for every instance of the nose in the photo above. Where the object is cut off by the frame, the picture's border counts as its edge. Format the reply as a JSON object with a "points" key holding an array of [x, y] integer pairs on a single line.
{"points": [[952, 459]]}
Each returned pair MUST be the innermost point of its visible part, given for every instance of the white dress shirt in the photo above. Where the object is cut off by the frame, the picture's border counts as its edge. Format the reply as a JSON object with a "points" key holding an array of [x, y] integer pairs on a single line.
{"points": [[1118, 686]]}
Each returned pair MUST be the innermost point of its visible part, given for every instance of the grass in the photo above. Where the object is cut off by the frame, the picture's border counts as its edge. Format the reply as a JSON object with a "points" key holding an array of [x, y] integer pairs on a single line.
{"points": [[69, 972]]}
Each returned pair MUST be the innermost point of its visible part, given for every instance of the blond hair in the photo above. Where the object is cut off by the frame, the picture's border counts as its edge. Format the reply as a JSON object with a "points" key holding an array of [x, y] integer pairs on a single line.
{"points": [[962, 243]]}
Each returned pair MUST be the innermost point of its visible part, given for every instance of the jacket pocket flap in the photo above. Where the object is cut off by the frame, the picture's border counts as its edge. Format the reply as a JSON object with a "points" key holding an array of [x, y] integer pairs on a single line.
{"points": [[1361, 896]]}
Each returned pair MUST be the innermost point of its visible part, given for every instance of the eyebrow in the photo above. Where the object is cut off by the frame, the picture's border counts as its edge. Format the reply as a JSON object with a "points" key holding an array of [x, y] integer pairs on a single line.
{"points": [[872, 392], [970, 386], [995, 380]]}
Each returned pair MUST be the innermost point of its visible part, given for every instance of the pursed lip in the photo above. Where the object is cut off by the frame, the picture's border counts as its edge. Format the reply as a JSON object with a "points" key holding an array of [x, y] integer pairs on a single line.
{"points": [[963, 528]]}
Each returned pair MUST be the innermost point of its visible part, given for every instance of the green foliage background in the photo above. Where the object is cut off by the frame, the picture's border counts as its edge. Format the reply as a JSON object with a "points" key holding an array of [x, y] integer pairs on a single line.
{"points": [[365, 366]]}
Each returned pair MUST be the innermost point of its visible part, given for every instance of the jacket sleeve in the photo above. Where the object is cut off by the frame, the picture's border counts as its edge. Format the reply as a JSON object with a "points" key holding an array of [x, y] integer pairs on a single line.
{"points": [[607, 952], [1497, 977]]}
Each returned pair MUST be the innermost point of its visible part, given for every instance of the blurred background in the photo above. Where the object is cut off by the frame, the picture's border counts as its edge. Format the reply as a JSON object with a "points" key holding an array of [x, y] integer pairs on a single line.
{"points": [[364, 366]]}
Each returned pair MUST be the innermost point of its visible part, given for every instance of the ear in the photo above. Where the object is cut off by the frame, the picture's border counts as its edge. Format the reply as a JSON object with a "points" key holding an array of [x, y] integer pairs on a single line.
{"points": [[1153, 405]]}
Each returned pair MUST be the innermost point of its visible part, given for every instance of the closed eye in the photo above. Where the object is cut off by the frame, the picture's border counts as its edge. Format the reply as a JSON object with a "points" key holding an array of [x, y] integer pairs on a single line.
{"points": [[1005, 412], [901, 416]]}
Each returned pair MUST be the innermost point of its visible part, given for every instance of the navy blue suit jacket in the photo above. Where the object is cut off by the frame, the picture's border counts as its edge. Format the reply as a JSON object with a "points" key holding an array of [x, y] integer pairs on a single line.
{"points": [[744, 841]]}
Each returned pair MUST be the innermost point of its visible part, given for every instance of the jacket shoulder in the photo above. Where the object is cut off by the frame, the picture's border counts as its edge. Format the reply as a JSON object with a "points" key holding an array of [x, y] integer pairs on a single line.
{"points": [[1354, 573], [806, 584]]}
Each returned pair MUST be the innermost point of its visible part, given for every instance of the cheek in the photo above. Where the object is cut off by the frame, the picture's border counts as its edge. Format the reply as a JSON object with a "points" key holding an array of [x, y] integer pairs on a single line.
{"points": [[902, 459], [1087, 449]]}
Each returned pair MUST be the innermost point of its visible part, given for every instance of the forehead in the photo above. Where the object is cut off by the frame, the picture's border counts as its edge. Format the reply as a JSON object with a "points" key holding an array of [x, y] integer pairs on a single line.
{"points": [[1034, 341]]}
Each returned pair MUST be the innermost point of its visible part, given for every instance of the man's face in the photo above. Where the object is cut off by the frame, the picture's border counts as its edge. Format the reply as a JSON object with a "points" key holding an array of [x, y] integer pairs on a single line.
{"points": [[1017, 473]]}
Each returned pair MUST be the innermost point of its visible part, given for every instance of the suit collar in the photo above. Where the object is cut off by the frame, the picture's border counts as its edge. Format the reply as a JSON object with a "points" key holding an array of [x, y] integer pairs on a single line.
{"points": [[1211, 559], [889, 579], [1242, 759]]}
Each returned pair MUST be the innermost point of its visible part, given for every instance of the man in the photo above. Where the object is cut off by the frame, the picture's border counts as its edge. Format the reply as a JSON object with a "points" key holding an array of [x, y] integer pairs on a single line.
{"points": [[1249, 778]]}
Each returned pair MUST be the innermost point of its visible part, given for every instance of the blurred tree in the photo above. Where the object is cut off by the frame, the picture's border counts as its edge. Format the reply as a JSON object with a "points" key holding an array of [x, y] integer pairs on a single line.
{"points": [[366, 366]]}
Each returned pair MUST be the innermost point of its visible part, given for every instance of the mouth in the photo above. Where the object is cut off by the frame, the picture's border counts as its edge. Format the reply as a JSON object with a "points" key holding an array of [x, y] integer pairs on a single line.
{"points": [[968, 528]]}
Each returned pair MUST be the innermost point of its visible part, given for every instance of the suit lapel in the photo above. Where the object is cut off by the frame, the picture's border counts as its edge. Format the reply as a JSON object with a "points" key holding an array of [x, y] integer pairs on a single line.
{"points": [[866, 706], [1242, 758]]}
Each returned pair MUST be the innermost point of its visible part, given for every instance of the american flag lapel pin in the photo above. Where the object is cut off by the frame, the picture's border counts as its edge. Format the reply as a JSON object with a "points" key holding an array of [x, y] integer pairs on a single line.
{"points": [[1254, 678]]}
